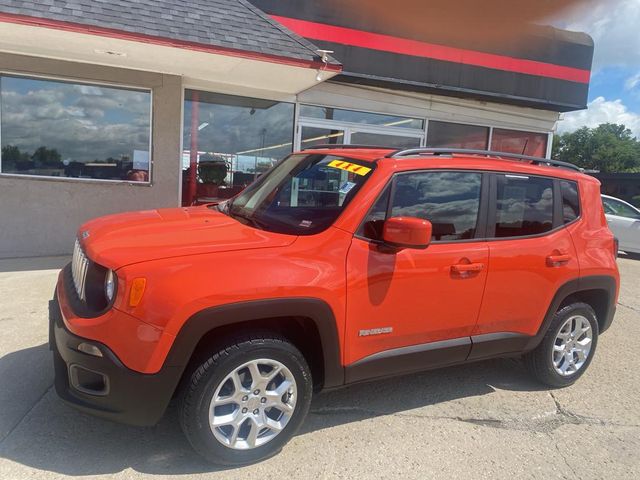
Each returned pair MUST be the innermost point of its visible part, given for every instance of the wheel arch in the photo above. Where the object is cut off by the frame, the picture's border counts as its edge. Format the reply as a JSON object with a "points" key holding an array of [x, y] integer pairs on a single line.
{"points": [[598, 291], [308, 323]]}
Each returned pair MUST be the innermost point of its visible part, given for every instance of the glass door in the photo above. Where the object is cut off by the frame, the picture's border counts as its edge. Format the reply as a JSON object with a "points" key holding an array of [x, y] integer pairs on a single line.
{"points": [[327, 125], [310, 135], [385, 140]]}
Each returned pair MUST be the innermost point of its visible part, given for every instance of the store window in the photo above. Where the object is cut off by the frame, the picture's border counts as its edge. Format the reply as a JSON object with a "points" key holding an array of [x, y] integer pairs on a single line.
{"points": [[525, 206], [74, 130], [354, 116], [383, 140], [523, 143], [231, 141], [457, 135]]}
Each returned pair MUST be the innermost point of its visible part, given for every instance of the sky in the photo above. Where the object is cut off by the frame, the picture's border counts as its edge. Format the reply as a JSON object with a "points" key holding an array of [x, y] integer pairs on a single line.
{"points": [[614, 94]]}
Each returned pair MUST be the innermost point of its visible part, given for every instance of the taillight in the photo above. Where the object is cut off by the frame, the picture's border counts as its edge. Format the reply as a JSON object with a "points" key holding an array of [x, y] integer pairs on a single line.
{"points": [[616, 244]]}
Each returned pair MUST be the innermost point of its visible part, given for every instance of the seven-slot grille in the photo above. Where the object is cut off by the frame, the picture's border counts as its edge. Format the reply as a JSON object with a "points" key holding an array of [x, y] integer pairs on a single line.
{"points": [[79, 267]]}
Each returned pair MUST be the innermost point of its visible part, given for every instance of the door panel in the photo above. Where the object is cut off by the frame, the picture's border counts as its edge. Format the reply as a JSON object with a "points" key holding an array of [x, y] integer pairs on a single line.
{"points": [[529, 260], [522, 281], [626, 230], [413, 295], [410, 297]]}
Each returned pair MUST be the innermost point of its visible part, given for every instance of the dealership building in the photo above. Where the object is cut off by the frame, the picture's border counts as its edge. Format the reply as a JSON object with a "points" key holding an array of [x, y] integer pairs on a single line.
{"points": [[110, 106]]}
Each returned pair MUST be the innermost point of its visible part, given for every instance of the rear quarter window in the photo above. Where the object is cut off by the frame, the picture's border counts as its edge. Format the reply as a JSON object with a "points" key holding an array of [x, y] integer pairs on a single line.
{"points": [[570, 201]]}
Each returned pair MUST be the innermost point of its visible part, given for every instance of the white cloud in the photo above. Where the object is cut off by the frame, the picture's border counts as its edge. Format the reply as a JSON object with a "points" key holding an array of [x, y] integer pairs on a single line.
{"points": [[632, 82], [41, 113], [600, 111], [613, 24]]}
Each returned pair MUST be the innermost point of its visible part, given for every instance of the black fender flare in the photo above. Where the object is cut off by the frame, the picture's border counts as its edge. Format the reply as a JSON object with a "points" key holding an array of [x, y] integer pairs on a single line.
{"points": [[577, 285], [210, 318]]}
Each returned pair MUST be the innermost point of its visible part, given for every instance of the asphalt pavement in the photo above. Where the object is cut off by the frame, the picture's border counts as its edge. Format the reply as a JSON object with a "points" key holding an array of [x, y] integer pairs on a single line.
{"points": [[485, 420]]}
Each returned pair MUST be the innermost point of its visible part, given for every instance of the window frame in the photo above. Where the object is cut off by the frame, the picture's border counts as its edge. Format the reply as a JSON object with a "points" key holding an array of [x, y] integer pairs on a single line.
{"points": [[89, 83], [481, 221]]}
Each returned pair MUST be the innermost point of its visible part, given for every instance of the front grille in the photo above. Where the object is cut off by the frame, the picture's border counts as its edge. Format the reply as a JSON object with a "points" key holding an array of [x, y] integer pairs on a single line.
{"points": [[79, 268]]}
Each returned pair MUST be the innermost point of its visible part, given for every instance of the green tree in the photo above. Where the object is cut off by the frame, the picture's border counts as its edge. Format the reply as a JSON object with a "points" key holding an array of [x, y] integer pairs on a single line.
{"points": [[47, 157], [12, 157], [607, 148]]}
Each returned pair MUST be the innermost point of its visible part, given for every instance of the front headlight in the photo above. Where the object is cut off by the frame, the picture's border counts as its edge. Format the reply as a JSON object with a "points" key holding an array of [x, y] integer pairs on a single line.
{"points": [[110, 286]]}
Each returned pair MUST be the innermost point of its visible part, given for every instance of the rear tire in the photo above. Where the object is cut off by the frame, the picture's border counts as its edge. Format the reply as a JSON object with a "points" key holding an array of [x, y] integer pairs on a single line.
{"points": [[568, 347], [232, 418]]}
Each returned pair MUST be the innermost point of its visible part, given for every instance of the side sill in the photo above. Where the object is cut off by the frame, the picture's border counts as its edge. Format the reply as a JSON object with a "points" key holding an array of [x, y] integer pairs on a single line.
{"points": [[409, 359], [493, 345]]}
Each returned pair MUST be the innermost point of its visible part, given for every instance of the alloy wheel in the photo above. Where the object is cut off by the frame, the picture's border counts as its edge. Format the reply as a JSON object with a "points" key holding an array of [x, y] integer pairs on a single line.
{"points": [[572, 345], [253, 404]]}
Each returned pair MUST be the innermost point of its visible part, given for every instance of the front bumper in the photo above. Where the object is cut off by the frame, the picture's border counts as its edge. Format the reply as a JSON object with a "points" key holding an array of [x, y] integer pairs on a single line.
{"points": [[103, 386]]}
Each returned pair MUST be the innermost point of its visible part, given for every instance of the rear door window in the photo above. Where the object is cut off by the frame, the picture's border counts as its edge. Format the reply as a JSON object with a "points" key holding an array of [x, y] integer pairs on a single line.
{"points": [[524, 206]]}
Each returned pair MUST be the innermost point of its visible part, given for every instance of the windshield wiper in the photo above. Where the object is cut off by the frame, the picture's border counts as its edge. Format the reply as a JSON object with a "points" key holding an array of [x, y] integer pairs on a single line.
{"points": [[252, 221], [223, 207]]}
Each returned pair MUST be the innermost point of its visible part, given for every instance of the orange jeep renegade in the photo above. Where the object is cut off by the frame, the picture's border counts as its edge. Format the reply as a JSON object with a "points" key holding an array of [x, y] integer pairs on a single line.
{"points": [[339, 265]]}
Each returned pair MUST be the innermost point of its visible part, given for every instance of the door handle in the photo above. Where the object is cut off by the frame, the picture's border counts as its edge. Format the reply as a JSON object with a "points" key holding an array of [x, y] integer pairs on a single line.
{"points": [[462, 268], [557, 260]]}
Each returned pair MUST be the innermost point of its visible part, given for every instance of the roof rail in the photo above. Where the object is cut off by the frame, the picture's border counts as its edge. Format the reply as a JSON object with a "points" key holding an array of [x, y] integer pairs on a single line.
{"points": [[326, 146], [490, 153]]}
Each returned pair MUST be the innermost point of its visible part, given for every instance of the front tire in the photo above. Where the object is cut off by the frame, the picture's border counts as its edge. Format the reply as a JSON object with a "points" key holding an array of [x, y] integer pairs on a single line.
{"points": [[246, 401], [568, 347]]}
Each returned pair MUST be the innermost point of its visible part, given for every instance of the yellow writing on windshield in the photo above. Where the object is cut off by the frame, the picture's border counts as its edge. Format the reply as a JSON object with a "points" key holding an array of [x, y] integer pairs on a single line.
{"points": [[350, 167]]}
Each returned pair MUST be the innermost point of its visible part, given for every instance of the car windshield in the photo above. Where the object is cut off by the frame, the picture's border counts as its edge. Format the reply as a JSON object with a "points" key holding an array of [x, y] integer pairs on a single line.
{"points": [[302, 195]]}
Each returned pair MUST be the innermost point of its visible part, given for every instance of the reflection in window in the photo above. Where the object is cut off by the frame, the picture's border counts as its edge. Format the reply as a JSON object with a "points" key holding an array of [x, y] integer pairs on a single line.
{"points": [[614, 207], [380, 140], [449, 200], [457, 135], [319, 136], [525, 206], [523, 143], [237, 137], [63, 129], [374, 221], [353, 116]]}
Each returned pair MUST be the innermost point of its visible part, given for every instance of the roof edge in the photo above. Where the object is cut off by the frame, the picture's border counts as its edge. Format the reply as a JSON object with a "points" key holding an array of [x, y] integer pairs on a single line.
{"points": [[162, 41], [313, 49]]}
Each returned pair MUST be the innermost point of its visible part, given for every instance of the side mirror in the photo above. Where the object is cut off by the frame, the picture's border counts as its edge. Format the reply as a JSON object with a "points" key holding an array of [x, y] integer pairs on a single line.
{"points": [[407, 232]]}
